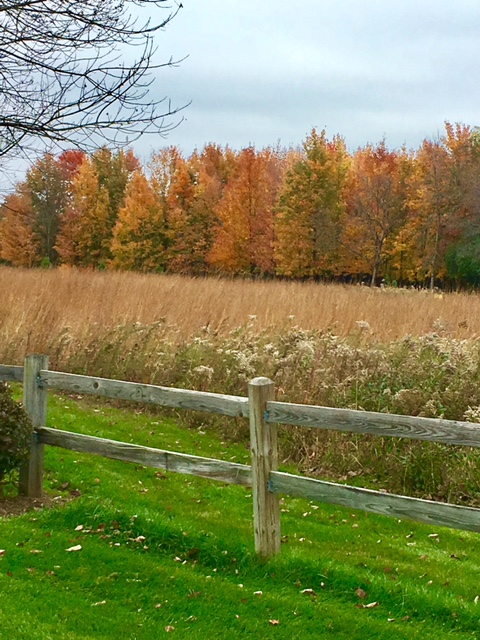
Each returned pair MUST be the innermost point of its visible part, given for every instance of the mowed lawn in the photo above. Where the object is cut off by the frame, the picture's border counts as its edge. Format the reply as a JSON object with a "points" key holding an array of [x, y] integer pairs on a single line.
{"points": [[135, 553]]}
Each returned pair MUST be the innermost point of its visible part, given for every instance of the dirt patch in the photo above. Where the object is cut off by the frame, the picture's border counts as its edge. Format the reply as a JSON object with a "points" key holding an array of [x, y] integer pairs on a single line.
{"points": [[17, 506]]}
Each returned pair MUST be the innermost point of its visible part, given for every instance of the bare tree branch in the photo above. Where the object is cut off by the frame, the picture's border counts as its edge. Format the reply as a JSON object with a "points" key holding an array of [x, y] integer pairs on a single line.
{"points": [[80, 72]]}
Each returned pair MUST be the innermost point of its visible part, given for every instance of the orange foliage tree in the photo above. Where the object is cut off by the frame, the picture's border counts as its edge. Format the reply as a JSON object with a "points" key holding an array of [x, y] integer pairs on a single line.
{"points": [[194, 193], [19, 246], [244, 235], [375, 209]]}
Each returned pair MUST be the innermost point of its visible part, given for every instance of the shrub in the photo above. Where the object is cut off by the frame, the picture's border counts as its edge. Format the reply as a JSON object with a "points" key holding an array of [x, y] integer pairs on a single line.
{"points": [[15, 432]]}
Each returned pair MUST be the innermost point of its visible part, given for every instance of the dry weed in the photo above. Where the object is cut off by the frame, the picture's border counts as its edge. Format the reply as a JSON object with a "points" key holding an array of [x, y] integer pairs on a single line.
{"points": [[344, 347]]}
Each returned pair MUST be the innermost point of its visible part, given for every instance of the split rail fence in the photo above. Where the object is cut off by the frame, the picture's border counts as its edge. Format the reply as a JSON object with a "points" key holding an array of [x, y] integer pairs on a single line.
{"points": [[262, 475]]}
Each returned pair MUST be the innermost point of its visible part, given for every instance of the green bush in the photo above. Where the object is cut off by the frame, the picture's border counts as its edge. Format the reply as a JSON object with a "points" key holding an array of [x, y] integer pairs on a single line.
{"points": [[15, 432]]}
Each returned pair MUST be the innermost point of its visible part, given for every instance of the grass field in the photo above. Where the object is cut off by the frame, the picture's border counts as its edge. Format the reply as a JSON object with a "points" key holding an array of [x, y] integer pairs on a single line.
{"points": [[37, 304], [169, 554], [388, 350]]}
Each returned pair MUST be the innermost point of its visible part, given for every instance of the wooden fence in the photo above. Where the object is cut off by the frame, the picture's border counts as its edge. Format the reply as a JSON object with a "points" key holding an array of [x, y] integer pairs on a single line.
{"points": [[263, 476]]}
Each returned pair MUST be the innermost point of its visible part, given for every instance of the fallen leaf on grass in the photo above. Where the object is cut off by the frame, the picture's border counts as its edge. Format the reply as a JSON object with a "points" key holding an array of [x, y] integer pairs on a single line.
{"points": [[360, 593], [76, 547], [2, 552], [274, 623], [169, 628], [309, 592], [371, 605], [35, 551], [96, 604]]}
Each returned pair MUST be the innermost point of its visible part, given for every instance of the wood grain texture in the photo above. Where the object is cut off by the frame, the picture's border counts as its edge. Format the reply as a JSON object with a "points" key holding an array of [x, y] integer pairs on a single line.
{"points": [[379, 424], [35, 403], [263, 442], [11, 373], [234, 406], [228, 472], [434, 513]]}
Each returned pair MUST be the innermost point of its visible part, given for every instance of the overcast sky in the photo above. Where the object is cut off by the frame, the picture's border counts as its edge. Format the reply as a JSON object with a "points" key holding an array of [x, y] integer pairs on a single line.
{"points": [[263, 71], [259, 72]]}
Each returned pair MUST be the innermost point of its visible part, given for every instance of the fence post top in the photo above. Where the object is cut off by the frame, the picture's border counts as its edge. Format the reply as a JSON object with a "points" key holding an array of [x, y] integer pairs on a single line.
{"points": [[260, 382]]}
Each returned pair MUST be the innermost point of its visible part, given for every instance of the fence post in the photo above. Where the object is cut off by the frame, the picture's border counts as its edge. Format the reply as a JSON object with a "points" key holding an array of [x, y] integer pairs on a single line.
{"points": [[263, 443], [35, 403]]}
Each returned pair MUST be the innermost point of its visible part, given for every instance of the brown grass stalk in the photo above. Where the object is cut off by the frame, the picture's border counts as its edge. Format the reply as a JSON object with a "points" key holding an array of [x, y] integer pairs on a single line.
{"points": [[395, 351], [36, 304]]}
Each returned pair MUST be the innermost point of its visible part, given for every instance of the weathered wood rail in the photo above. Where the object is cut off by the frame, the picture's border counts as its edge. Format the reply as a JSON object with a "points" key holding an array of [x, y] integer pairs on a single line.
{"points": [[262, 475]]}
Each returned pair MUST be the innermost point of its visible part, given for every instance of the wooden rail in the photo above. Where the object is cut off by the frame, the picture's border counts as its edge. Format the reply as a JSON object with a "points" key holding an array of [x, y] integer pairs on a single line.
{"points": [[233, 406], [377, 424], [264, 413], [228, 472], [11, 373]]}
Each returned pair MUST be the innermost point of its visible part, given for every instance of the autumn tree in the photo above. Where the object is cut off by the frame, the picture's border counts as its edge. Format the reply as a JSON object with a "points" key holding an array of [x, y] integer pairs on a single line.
{"points": [[98, 187], [244, 235], [195, 190], [85, 233], [19, 245], [462, 253], [70, 162], [114, 170], [420, 248], [310, 207], [185, 229], [139, 234], [375, 198], [46, 189]]}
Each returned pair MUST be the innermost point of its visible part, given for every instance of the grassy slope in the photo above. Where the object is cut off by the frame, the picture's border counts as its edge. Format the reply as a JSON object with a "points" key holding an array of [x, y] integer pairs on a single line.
{"points": [[163, 550]]}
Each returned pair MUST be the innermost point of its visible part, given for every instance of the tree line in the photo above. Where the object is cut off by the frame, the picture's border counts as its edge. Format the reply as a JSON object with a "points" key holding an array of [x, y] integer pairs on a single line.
{"points": [[317, 211]]}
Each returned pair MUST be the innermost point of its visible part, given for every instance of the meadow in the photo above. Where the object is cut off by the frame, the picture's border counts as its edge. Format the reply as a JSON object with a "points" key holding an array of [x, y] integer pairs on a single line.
{"points": [[124, 549], [38, 304], [390, 350]]}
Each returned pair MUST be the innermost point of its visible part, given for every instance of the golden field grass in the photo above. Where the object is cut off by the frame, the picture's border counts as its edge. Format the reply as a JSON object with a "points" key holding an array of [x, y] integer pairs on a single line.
{"points": [[37, 304], [394, 351]]}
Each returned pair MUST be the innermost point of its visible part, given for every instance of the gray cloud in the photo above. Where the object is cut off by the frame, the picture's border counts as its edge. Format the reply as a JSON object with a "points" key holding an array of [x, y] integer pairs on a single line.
{"points": [[259, 72]]}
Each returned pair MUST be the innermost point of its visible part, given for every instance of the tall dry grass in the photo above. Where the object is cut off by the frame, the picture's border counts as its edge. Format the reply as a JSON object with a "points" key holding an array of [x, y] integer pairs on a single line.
{"points": [[37, 304], [393, 351]]}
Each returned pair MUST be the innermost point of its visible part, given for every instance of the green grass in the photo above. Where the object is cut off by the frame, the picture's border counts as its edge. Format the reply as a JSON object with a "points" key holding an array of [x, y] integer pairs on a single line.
{"points": [[163, 550]]}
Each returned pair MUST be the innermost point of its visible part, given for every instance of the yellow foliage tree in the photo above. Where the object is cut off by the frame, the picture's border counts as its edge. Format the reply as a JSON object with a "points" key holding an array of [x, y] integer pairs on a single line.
{"points": [[84, 238], [139, 235]]}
